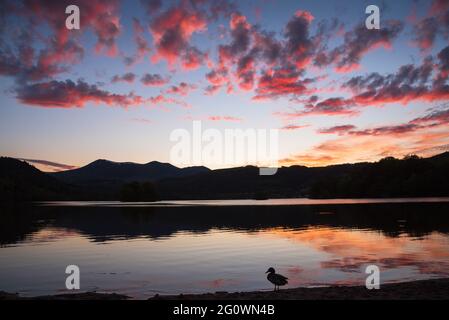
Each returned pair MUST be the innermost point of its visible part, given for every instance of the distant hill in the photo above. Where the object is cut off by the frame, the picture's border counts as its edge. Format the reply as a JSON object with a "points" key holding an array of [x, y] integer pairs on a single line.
{"points": [[20, 181], [99, 180], [105, 180], [100, 171], [246, 183], [389, 177]]}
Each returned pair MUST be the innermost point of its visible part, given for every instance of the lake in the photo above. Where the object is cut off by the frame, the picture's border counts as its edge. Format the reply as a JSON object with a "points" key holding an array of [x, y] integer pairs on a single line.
{"points": [[171, 247]]}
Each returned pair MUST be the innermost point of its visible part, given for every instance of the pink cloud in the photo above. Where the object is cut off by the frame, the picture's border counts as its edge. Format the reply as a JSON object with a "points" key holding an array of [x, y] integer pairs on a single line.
{"points": [[69, 94]]}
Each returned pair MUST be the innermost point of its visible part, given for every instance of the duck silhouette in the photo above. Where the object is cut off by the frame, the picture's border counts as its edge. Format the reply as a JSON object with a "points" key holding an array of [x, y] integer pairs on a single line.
{"points": [[276, 279]]}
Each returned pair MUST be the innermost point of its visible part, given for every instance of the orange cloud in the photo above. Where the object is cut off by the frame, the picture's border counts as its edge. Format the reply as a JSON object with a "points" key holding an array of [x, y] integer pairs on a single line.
{"points": [[388, 141], [349, 250]]}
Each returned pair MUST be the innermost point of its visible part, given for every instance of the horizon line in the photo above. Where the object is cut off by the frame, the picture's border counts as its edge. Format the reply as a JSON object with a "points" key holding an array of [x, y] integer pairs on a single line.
{"points": [[66, 167]]}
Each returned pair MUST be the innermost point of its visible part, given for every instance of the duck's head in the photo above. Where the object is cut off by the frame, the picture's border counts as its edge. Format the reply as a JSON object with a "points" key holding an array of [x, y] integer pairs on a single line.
{"points": [[270, 270]]}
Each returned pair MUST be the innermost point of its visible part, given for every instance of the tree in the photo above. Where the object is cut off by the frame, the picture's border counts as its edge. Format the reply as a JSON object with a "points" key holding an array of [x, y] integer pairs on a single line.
{"points": [[136, 191]]}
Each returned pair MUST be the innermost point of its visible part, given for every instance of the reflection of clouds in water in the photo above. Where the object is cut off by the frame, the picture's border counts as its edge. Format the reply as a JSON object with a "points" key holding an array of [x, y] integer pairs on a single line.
{"points": [[204, 249], [50, 234], [298, 276], [218, 283], [352, 250], [294, 270]]}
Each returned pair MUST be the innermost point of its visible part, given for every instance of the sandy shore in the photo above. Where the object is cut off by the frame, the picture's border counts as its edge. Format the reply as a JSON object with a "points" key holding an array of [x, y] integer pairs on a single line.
{"points": [[437, 289]]}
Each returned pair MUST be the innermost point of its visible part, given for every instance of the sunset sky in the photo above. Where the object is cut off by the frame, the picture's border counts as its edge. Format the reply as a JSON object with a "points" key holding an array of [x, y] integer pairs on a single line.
{"points": [[137, 70]]}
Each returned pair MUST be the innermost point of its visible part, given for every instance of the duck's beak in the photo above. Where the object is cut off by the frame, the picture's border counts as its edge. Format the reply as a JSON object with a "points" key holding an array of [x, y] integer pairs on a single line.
{"points": [[267, 271]]}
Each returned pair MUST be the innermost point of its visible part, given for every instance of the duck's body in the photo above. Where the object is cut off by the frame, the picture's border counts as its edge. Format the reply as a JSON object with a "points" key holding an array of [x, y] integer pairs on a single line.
{"points": [[276, 279]]}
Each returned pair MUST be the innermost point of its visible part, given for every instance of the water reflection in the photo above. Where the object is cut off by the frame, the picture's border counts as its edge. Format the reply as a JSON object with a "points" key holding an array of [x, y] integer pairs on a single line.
{"points": [[145, 250]]}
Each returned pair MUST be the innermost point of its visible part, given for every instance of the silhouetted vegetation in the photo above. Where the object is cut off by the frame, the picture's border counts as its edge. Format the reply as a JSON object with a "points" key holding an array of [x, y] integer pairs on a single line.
{"points": [[101, 172], [390, 177], [260, 195], [21, 182], [136, 191]]}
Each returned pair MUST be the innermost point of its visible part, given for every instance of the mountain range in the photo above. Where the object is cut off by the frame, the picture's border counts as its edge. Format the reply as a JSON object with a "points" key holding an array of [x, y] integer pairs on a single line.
{"points": [[103, 180], [105, 170]]}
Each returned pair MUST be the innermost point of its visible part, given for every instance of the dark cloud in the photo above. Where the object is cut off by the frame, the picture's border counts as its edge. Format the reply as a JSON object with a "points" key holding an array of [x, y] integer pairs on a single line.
{"points": [[443, 57], [149, 79], [173, 28], [299, 46], [245, 72], [235, 54], [329, 107], [151, 6], [182, 89], [141, 44], [406, 75], [127, 77], [425, 32], [266, 45], [281, 82], [101, 16], [55, 165], [436, 23], [212, 89], [217, 78], [294, 127], [60, 50], [443, 67], [409, 83], [20, 60], [342, 129], [387, 130], [434, 118], [163, 100], [69, 94], [192, 58], [240, 35], [358, 42], [251, 49]]}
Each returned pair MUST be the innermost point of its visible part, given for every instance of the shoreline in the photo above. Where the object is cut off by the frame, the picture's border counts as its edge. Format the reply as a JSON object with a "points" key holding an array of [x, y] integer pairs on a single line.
{"points": [[432, 289], [244, 202]]}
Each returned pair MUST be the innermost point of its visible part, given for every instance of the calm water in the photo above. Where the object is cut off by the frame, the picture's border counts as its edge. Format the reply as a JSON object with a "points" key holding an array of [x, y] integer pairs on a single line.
{"points": [[206, 246]]}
